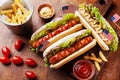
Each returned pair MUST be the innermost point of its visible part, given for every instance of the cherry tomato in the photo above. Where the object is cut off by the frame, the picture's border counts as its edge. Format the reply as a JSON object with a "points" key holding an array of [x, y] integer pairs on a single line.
{"points": [[30, 62], [4, 59], [6, 51], [30, 74], [18, 44], [17, 60]]}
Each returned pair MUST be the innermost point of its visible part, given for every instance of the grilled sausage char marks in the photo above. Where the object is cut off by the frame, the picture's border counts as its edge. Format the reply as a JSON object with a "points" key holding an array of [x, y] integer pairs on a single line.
{"points": [[63, 54]]}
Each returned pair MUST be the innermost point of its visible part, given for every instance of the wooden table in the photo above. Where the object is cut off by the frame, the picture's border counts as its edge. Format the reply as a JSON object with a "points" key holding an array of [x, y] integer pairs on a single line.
{"points": [[109, 71]]}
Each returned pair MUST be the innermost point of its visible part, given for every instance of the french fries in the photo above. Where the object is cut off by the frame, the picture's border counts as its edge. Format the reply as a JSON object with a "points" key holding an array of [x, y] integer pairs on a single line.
{"points": [[10, 11], [93, 58], [21, 7], [102, 56], [18, 14], [17, 1], [97, 65], [97, 60], [15, 7]]}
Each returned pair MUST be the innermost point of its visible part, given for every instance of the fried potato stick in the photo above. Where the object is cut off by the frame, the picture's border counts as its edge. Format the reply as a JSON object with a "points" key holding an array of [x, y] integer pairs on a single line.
{"points": [[95, 62], [93, 58], [21, 7], [13, 19], [102, 56], [15, 7], [10, 11], [9, 15], [17, 1]]}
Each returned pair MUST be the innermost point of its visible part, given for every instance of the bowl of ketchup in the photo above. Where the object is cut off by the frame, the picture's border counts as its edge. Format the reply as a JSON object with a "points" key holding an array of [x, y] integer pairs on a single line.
{"points": [[83, 70]]}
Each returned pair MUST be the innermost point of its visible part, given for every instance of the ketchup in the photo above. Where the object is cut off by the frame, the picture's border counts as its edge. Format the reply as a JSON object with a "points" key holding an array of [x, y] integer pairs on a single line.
{"points": [[83, 69]]}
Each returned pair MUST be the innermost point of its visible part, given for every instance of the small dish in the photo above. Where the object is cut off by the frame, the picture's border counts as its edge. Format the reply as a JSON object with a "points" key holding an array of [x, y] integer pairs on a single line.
{"points": [[46, 11], [83, 70]]}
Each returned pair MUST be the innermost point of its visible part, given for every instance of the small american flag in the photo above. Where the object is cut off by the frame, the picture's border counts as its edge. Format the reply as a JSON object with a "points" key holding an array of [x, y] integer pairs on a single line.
{"points": [[69, 9], [108, 35], [115, 18], [43, 45]]}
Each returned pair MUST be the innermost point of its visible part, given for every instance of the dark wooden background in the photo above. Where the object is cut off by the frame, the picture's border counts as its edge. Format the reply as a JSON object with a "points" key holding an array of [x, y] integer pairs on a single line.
{"points": [[109, 71]]}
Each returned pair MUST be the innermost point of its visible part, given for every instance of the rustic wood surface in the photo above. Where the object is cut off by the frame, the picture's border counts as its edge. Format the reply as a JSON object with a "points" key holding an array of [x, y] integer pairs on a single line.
{"points": [[109, 71]]}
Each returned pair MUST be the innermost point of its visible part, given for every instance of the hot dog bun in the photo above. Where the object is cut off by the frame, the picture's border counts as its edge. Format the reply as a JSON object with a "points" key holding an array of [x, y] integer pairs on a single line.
{"points": [[102, 31], [73, 29], [96, 36], [73, 55], [75, 26]]}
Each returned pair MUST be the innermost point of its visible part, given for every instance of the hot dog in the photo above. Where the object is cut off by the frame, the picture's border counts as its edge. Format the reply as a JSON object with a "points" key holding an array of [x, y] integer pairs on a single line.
{"points": [[55, 30], [101, 29], [68, 48]]}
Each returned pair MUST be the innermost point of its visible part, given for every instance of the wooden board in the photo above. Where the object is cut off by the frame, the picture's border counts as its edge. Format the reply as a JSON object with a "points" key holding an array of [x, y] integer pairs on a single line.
{"points": [[103, 6], [109, 71]]}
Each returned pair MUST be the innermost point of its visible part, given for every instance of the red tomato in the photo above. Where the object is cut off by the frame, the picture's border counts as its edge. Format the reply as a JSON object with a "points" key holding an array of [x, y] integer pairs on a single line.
{"points": [[6, 51], [4, 59], [18, 44], [30, 74], [17, 60], [30, 62]]}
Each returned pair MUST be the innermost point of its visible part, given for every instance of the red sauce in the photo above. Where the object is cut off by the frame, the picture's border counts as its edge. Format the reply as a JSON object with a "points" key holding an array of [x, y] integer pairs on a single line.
{"points": [[82, 70]]}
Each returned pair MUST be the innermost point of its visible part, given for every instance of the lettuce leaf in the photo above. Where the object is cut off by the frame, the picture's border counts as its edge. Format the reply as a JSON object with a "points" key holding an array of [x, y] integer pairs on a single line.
{"points": [[81, 5], [87, 33], [66, 44], [64, 20], [54, 25], [106, 25], [70, 42], [114, 45]]}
